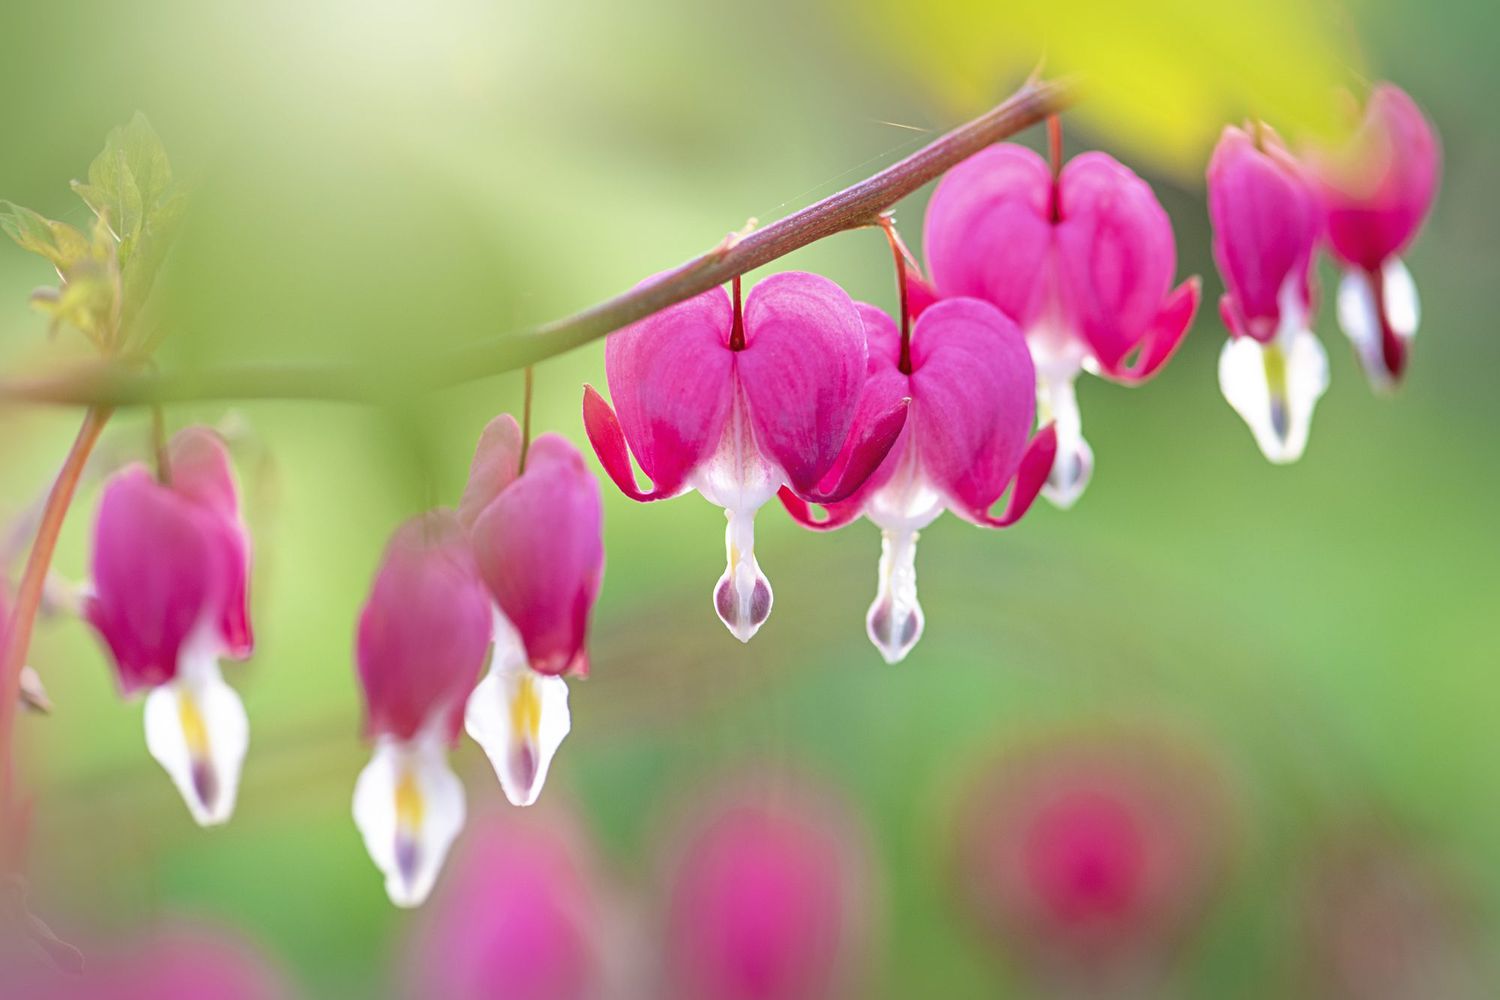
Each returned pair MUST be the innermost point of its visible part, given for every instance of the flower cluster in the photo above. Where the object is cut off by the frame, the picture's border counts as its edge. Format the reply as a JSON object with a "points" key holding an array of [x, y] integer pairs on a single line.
{"points": [[1363, 202], [510, 575]]}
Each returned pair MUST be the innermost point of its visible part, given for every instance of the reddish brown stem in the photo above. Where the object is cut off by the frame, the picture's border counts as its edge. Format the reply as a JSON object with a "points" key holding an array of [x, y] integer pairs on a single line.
{"points": [[852, 208], [902, 259], [29, 600], [1055, 155], [737, 328]]}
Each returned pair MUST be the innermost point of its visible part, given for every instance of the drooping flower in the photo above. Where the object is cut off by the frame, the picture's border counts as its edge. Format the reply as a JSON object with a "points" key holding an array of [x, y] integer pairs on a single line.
{"points": [[518, 919], [422, 640], [186, 962], [1092, 858], [1266, 223], [1376, 191], [171, 565], [972, 388], [768, 901], [538, 537], [1083, 262], [736, 404]]}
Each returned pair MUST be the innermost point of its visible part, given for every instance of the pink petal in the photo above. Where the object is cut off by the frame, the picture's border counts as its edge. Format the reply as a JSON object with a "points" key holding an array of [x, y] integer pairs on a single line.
{"points": [[988, 231], [496, 463], [802, 371], [670, 375], [1378, 189], [1115, 255], [974, 392], [1036, 464], [871, 452], [1163, 338], [425, 630], [540, 548], [1265, 221], [202, 471], [161, 569]]}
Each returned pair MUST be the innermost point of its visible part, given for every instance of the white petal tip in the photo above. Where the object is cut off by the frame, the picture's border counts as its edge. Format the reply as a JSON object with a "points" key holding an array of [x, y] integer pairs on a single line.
{"points": [[1071, 471], [197, 730], [895, 620], [1380, 328], [409, 807], [520, 718], [1274, 388]]}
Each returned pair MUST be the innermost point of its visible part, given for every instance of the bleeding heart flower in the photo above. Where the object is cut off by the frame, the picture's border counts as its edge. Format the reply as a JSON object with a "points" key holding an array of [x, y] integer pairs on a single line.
{"points": [[1092, 858], [171, 565], [1376, 191], [538, 537], [1266, 225], [769, 900], [422, 640], [1082, 262], [972, 389], [519, 919], [737, 404]]}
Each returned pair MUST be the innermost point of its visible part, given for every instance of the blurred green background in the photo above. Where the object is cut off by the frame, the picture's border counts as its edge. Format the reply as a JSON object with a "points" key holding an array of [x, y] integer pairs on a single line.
{"points": [[380, 179]]}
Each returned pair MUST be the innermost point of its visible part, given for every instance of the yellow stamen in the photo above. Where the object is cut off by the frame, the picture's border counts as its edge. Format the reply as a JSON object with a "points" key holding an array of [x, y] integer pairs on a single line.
{"points": [[1275, 362], [194, 732], [409, 803], [526, 709]]}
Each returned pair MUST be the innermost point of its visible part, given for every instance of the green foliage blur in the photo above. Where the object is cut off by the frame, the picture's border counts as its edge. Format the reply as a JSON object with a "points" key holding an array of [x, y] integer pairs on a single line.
{"points": [[378, 180]]}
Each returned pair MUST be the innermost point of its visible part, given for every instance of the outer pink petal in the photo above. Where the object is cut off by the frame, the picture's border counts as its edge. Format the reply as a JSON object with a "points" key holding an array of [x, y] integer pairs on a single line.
{"points": [[1166, 334], [1115, 255], [540, 547], [670, 375], [1036, 465], [872, 451], [425, 630], [159, 569], [202, 472], [497, 461], [1265, 221], [802, 371], [988, 232], [974, 392], [1378, 189]]}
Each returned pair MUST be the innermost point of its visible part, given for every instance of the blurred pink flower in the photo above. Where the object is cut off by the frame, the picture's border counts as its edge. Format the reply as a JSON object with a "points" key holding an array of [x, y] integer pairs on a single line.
{"points": [[1082, 262], [736, 405], [768, 901], [517, 919], [423, 636], [1266, 224], [1091, 859], [538, 537], [972, 389], [1376, 191], [185, 962], [171, 564]]}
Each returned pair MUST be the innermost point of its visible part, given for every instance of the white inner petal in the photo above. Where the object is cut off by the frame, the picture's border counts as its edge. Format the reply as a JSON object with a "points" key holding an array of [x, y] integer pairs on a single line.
{"points": [[894, 622], [197, 730], [740, 479], [519, 717], [409, 806], [1360, 320], [1057, 403], [1274, 387], [906, 501]]}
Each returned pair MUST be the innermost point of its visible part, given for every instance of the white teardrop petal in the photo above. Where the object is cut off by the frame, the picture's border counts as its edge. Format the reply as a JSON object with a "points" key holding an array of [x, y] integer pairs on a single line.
{"points": [[197, 730], [1359, 316], [1403, 310], [1057, 403], [742, 597], [520, 718], [409, 807], [1274, 388], [894, 622]]}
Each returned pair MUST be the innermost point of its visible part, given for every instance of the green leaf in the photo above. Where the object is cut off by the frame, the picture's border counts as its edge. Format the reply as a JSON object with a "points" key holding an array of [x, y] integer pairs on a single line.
{"points": [[128, 181], [59, 242]]}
